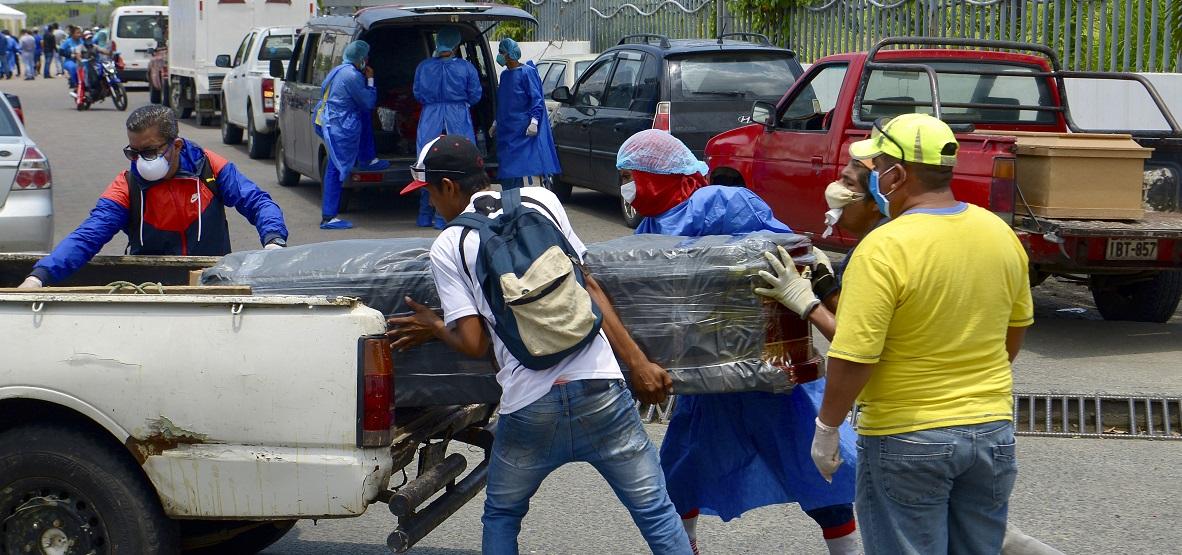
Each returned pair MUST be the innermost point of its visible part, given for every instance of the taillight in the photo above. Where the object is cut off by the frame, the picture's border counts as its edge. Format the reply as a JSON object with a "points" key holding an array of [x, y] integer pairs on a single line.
{"points": [[113, 47], [1001, 189], [661, 119], [33, 172], [376, 418], [20, 114], [268, 95]]}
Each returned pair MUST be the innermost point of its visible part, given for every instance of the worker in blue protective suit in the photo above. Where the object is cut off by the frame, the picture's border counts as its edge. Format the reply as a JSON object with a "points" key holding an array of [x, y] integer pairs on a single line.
{"points": [[66, 49], [525, 145], [725, 454], [344, 119], [447, 87], [8, 54]]}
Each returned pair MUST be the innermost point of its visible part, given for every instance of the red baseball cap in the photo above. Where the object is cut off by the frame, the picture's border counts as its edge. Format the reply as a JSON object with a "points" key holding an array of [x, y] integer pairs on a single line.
{"points": [[445, 156]]}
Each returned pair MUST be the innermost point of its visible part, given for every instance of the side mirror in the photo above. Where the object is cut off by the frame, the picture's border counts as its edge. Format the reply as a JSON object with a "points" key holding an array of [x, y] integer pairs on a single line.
{"points": [[763, 113], [276, 69], [562, 94], [223, 60]]}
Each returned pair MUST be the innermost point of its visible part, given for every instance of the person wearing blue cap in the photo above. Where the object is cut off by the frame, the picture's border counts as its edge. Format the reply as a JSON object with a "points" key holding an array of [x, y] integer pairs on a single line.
{"points": [[525, 145], [344, 120], [447, 87]]}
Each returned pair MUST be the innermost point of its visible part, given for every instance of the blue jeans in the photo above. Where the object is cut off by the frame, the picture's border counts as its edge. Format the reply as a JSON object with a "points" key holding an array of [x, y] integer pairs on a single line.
{"points": [[944, 490], [593, 421]]}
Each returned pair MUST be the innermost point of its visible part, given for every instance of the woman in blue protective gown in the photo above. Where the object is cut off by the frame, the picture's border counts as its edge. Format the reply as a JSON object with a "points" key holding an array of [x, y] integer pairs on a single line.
{"points": [[344, 119], [725, 454], [525, 145], [447, 87]]}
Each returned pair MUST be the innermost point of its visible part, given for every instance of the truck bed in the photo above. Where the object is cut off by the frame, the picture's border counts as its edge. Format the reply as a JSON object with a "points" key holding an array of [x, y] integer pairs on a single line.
{"points": [[1155, 225]]}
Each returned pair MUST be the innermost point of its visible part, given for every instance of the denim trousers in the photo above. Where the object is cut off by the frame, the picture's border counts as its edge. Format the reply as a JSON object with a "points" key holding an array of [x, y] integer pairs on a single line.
{"points": [[592, 421], [943, 490]]}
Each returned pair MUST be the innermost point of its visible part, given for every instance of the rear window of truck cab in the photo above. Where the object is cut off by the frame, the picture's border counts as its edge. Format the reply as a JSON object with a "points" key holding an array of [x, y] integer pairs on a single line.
{"points": [[743, 74], [1003, 93], [276, 47]]}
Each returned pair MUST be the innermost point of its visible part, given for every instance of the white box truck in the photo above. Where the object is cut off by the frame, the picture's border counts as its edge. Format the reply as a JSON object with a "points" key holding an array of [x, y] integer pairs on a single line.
{"points": [[201, 30]]}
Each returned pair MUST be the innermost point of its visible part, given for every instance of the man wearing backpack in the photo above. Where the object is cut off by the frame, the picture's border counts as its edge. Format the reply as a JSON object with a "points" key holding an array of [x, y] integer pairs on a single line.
{"points": [[172, 200], [510, 263]]}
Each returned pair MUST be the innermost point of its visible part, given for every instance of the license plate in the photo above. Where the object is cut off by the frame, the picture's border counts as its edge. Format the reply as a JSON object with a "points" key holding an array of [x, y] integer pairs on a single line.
{"points": [[1131, 249]]}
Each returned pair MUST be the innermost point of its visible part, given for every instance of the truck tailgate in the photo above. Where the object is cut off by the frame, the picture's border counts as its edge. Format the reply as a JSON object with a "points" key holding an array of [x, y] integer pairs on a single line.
{"points": [[1155, 225]]}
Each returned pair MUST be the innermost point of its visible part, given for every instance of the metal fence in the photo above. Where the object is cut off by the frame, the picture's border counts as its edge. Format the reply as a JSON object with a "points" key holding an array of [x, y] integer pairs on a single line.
{"points": [[1090, 35]]}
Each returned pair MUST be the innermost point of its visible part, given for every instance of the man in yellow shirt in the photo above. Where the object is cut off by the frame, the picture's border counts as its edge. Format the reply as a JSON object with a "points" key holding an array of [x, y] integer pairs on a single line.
{"points": [[935, 304]]}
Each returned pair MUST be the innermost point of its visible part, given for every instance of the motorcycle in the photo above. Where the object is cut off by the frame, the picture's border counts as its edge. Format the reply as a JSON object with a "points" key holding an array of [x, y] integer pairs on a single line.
{"points": [[107, 85]]}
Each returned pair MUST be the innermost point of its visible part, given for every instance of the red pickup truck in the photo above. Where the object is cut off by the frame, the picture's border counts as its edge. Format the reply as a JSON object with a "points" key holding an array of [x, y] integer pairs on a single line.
{"points": [[794, 148]]}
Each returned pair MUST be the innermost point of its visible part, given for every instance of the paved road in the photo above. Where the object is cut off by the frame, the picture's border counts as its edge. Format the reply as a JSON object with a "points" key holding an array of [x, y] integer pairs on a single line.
{"points": [[1086, 496]]}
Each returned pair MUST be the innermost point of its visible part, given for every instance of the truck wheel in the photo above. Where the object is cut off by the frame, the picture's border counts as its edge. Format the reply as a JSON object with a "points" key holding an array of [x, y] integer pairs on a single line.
{"points": [[258, 145], [215, 537], [231, 134], [284, 175], [154, 95], [62, 490], [176, 100], [1154, 299]]}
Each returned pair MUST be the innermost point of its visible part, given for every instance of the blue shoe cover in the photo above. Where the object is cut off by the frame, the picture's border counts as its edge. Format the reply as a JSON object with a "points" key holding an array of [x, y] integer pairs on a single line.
{"points": [[336, 223]]}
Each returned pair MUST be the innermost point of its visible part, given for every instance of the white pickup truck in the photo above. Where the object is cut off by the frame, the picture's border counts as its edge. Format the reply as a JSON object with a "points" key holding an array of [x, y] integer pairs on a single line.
{"points": [[249, 91], [148, 423]]}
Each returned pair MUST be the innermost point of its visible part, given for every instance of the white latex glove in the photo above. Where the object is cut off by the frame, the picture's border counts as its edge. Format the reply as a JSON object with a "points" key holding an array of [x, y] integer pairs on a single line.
{"points": [[532, 130], [31, 282], [826, 450], [272, 246], [793, 291], [822, 259], [492, 130]]}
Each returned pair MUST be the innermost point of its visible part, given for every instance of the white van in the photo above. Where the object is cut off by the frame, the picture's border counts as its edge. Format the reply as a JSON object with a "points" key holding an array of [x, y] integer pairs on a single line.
{"points": [[134, 32]]}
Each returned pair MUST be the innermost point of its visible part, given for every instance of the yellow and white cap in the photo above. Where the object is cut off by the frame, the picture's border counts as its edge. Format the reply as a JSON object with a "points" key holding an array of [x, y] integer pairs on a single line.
{"points": [[917, 138]]}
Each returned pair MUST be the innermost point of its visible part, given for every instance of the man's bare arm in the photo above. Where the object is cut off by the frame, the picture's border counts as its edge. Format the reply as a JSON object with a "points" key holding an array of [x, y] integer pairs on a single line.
{"points": [[845, 381], [651, 383]]}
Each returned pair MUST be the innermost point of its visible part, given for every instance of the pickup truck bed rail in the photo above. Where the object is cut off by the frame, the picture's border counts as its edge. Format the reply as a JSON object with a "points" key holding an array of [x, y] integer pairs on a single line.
{"points": [[1155, 225]]}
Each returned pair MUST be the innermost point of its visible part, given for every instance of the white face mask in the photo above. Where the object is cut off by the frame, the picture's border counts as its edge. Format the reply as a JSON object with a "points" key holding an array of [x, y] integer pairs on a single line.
{"points": [[628, 191], [152, 170], [831, 218]]}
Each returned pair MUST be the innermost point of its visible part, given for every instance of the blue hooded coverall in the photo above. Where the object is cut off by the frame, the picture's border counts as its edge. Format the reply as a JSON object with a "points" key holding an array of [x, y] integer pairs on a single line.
{"points": [[519, 99], [345, 124], [447, 87]]}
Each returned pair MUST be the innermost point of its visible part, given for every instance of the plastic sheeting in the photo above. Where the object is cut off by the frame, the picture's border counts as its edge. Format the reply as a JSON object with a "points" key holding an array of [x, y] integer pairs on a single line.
{"points": [[687, 301]]}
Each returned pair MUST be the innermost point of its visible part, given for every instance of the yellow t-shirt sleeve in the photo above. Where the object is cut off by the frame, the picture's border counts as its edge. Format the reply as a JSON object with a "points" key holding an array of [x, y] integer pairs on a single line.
{"points": [[1022, 313], [871, 292]]}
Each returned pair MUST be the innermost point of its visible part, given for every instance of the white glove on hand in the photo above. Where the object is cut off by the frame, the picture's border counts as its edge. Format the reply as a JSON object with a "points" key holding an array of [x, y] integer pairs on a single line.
{"points": [[272, 246], [492, 130], [822, 260], [826, 450], [793, 291], [532, 130], [31, 282]]}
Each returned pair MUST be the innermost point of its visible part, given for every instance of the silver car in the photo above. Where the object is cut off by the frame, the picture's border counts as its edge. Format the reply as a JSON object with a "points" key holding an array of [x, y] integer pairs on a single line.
{"points": [[26, 200]]}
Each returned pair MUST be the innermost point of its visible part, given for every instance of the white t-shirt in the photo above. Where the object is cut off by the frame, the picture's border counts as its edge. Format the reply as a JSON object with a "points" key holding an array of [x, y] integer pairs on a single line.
{"points": [[461, 297]]}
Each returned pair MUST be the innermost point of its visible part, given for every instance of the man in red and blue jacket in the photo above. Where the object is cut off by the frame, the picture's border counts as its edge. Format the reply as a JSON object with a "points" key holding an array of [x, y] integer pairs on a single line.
{"points": [[170, 202]]}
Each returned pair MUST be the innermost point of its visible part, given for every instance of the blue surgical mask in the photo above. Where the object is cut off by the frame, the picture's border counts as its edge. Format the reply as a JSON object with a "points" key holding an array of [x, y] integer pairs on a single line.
{"points": [[884, 205], [501, 60]]}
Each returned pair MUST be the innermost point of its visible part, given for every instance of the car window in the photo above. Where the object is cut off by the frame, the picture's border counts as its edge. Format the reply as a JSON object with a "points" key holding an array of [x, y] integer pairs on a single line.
{"points": [[297, 60], [276, 47], [580, 67], [809, 109], [8, 126], [243, 48], [624, 81], [325, 58], [554, 79], [1020, 87], [749, 75], [589, 91], [137, 26], [543, 68]]}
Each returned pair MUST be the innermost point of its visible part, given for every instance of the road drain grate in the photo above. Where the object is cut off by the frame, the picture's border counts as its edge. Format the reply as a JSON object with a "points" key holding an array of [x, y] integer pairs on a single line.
{"points": [[1062, 415]]}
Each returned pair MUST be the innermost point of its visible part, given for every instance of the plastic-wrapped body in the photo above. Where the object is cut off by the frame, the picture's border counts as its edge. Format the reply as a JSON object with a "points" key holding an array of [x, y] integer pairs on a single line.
{"points": [[687, 301]]}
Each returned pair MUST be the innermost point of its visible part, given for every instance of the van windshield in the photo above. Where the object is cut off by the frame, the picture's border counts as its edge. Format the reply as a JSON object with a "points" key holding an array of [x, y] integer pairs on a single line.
{"points": [[276, 47], [137, 26], [749, 75]]}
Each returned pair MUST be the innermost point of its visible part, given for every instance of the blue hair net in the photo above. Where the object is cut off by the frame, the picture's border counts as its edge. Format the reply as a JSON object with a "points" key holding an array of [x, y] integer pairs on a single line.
{"points": [[446, 40], [510, 49], [656, 151], [357, 52]]}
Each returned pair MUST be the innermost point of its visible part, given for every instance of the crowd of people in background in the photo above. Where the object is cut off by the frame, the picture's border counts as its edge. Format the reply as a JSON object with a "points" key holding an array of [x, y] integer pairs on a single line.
{"points": [[48, 51]]}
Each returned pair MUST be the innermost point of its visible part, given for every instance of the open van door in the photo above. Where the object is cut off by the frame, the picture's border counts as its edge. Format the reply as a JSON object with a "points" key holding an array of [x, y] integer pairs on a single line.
{"points": [[441, 13]]}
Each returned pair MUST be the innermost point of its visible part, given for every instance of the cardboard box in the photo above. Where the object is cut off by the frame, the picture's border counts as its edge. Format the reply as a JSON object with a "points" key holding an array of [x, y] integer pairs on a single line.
{"points": [[1086, 176]]}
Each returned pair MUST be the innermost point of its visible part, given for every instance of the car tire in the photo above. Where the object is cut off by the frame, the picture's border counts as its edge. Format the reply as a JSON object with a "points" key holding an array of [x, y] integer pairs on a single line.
{"points": [[560, 188], [283, 174], [258, 145], [231, 134], [176, 100], [155, 95], [1154, 299], [631, 217], [209, 537], [65, 484], [205, 119]]}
